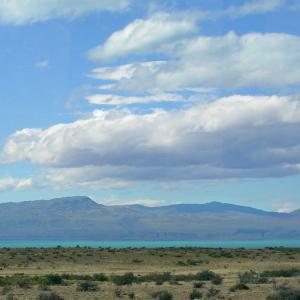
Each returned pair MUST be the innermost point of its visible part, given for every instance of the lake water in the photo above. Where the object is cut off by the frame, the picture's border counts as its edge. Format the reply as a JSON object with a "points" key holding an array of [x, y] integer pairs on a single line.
{"points": [[154, 244]]}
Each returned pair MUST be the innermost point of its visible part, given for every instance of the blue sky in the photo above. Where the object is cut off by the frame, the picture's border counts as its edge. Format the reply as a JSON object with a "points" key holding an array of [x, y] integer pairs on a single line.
{"points": [[151, 102]]}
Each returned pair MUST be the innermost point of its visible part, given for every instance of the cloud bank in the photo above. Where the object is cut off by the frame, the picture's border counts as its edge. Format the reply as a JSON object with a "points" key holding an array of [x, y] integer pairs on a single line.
{"points": [[232, 137], [270, 60]]}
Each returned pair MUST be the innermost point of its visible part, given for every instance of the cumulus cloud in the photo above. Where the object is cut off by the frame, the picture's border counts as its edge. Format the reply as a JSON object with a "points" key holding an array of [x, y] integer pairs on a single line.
{"points": [[30, 11], [270, 60], [233, 137], [9, 183], [143, 36]]}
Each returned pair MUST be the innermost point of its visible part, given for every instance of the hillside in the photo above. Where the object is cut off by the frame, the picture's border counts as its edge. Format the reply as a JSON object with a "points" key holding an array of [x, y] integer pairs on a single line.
{"points": [[80, 218]]}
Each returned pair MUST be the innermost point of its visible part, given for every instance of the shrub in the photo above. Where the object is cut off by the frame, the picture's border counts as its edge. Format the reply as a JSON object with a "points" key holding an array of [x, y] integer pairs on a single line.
{"points": [[5, 290], [158, 278], [49, 296], [198, 285], [131, 295], [195, 295], [252, 277], [100, 277], [212, 292], [239, 286], [118, 292], [10, 297], [217, 279], [209, 276], [23, 283], [162, 295], [53, 279], [125, 279], [281, 273], [86, 286], [285, 293], [205, 275], [3, 281]]}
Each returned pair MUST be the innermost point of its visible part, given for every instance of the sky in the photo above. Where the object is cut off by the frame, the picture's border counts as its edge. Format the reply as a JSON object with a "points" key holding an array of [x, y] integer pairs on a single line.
{"points": [[151, 102]]}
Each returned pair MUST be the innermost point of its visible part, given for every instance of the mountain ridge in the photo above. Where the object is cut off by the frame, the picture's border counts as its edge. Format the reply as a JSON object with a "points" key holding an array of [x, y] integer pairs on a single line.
{"points": [[207, 206], [81, 218]]}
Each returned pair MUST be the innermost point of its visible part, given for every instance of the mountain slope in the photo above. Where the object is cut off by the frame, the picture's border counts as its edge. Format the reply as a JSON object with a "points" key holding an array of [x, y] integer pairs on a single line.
{"points": [[296, 212], [80, 218]]}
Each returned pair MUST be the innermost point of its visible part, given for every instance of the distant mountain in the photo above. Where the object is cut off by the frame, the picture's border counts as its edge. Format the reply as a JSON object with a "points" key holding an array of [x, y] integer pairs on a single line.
{"points": [[80, 218], [212, 207], [296, 213]]}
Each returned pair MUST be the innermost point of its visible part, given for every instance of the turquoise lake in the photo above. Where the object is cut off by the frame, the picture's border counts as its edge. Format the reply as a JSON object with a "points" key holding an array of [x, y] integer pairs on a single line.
{"points": [[154, 244]]}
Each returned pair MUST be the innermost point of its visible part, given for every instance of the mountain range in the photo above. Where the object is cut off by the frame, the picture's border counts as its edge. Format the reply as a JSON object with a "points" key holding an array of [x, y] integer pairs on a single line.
{"points": [[80, 218]]}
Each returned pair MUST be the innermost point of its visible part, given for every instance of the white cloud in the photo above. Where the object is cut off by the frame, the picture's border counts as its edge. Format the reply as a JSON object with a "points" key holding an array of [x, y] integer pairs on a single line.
{"points": [[233, 137], [145, 202], [124, 71], [144, 36], [253, 7], [30, 11], [109, 99], [270, 60], [9, 183], [42, 64]]}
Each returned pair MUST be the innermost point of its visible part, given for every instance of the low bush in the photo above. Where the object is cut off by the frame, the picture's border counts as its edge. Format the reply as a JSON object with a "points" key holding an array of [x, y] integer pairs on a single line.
{"points": [[125, 279], [195, 295], [23, 283], [217, 280], [198, 285], [53, 279], [209, 276], [212, 292], [252, 277], [285, 293], [162, 295], [86, 286], [99, 277], [239, 286], [281, 273], [158, 278], [49, 296]]}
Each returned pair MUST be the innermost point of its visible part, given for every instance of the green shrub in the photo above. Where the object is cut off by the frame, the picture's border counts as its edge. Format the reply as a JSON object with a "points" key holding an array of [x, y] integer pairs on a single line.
{"points": [[23, 283], [252, 277], [212, 292], [198, 285], [217, 280], [100, 277], [205, 275], [195, 295], [281, 273], [53, 279], [10, 297], [125, 279], [49, 296], [5, 290], [131, 295], [118, 292], [209, 276], [158, 278], [86, 286], [162, 295], [239, 286], [285, 293]]}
